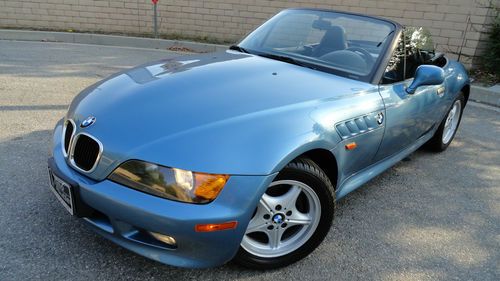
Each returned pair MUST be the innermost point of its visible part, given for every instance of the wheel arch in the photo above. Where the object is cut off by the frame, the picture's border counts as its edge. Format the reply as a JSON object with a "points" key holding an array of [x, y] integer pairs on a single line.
{"points": [[320, 152], [466, 91], [327, 161]]}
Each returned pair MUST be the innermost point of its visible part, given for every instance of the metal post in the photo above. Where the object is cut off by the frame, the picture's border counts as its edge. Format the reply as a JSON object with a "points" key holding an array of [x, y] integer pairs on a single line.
{"points": [[464, 38], [155, 20]]}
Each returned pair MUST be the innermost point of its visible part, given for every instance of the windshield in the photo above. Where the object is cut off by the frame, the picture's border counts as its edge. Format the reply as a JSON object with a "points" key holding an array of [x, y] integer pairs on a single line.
{"points": [[345, 44]]}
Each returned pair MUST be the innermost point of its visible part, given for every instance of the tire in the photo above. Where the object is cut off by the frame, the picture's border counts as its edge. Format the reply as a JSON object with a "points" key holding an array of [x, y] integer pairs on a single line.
{"points": [[443, 136], [298, 225]]}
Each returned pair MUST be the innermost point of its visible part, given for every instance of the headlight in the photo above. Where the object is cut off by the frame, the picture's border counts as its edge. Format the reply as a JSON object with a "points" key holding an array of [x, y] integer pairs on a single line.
{"points": [[170, 183]]}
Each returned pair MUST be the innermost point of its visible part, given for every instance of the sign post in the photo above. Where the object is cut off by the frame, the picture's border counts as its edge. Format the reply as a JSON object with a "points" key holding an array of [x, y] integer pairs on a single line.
{"points": [[155, 17]]}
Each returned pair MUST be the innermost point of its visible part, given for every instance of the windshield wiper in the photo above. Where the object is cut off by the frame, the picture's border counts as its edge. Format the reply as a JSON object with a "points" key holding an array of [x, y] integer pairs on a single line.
{"points": [[239, 49], [285, 59]]}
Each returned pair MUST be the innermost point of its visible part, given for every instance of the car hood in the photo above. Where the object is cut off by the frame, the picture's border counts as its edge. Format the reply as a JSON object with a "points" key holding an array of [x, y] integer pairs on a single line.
{"points": [[205, 113]]}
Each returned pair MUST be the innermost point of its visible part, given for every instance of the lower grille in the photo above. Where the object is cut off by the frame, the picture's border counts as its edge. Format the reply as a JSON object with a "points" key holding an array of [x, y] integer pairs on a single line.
{"points": [[68, 133], [85, 152]]}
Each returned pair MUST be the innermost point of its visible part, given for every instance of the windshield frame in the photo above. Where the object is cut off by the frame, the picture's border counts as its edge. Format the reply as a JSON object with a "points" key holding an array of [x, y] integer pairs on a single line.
{"points": [[373, 77]]}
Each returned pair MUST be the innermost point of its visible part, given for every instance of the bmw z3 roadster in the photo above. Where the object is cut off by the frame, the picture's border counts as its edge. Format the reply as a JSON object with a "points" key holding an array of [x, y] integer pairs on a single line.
{"points": [[241, 155]]}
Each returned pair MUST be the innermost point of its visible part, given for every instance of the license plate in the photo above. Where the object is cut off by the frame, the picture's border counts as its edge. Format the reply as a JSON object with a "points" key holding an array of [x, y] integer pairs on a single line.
{"points": [[63, 192]]}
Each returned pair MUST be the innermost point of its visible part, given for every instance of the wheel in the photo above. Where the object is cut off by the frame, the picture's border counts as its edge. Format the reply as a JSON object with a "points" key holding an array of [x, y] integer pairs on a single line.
{"points": [[448, 127], [291, 219]]}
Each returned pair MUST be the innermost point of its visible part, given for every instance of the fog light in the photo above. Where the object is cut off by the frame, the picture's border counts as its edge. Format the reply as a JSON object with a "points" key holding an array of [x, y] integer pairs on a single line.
{"points": [[164, 238]]}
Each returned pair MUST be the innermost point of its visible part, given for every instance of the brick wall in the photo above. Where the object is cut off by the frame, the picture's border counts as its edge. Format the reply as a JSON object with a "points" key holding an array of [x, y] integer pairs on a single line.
{"points": [[229, 20]]}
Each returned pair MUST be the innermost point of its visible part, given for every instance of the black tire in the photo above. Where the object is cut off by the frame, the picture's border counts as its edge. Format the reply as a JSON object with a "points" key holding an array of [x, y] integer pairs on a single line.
{"points": [[436, 143], [308, 172]]}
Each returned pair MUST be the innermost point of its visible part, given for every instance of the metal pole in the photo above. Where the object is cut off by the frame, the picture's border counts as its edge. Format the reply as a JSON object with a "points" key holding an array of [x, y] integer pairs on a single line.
{"points": [[155, 20], [463, 38]]}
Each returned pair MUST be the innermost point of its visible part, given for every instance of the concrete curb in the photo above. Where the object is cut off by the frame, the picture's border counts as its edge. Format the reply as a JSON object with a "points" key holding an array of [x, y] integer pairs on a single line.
{"points": [[486, 95], [109, 40]]}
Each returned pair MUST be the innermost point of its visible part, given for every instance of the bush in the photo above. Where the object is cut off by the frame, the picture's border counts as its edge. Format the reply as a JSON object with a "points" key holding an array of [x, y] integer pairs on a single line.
{"points": [[491, 57]]}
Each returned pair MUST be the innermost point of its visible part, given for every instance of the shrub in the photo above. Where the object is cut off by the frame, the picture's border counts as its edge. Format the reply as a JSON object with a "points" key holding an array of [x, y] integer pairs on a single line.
{"points": [[491, 57]]}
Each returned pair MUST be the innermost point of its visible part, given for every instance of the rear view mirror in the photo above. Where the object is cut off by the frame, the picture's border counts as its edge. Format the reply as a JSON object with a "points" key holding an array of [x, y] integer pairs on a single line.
{"points": [[322, 24], [426, 75]]}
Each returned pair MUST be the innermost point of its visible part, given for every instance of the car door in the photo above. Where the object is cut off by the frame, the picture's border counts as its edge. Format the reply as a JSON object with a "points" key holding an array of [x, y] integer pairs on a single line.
{"points": [[408, 116]]}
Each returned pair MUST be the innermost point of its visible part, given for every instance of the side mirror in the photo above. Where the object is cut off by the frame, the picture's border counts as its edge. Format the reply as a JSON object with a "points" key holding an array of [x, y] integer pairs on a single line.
{"points": [[426, 75]]}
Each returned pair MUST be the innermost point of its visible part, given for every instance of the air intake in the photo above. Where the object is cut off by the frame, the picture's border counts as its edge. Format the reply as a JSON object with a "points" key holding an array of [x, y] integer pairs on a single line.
{"points": [[68, 134], [85, 153]]}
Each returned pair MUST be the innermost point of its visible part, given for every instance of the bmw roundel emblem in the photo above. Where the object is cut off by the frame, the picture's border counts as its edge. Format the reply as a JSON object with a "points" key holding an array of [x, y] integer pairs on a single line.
{"points": [[278, 218], [380, 118], [87, 122]]}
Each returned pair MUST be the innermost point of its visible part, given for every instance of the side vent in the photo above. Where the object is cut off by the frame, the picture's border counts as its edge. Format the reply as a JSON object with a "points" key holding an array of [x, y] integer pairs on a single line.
{"points": [[359, 125]]}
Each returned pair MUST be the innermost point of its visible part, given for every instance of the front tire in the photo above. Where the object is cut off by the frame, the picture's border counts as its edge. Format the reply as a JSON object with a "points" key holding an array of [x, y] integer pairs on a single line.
{"points": [[292, 218], [448, 127]]}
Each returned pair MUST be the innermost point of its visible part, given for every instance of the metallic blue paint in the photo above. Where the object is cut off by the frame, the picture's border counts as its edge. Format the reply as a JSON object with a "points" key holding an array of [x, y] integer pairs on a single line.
{"points": [[210, 125], [128, 212], [426, 75], [243, 115]]}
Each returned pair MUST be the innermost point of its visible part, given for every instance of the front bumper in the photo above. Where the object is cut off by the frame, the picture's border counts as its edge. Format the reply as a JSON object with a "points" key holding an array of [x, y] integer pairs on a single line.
{"points": [[125, 216]]}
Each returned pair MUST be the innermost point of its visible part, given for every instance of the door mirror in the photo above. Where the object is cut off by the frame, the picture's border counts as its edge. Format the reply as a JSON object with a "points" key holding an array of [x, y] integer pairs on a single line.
{"points": [[426, 75]]}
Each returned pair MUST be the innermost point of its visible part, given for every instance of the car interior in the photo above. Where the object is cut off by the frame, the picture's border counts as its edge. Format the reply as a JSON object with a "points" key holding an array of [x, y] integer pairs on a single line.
{"points": [[360, 55], [335, 49], [410, 54]]}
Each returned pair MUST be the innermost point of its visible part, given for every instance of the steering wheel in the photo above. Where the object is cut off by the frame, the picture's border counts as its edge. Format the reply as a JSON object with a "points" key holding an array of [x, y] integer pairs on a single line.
{"points": [[364, 54]]}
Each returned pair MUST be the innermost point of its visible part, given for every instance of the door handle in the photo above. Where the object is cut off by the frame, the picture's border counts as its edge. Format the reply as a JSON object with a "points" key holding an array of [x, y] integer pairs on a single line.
{"points": [[440, 91]]}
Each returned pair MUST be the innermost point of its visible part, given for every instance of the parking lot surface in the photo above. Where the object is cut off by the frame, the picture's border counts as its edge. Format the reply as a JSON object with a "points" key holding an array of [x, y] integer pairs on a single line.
{"points": [[431, 217]]}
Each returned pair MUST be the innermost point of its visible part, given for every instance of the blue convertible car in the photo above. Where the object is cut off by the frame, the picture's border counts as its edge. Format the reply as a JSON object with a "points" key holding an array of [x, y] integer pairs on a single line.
{"points": [[241, 155]]}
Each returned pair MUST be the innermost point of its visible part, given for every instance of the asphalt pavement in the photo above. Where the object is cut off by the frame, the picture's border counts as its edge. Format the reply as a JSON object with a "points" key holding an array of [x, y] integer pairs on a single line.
{"points": [[431, 217]]}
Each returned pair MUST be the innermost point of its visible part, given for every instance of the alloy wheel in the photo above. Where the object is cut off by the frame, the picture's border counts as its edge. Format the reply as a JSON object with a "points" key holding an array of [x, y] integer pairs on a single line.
{"points": [[451, 123], [286, 217]]}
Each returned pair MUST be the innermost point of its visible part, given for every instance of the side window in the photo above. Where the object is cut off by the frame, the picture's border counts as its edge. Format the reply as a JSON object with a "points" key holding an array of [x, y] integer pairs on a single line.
{"points": [[415, 47], [394, 72]]}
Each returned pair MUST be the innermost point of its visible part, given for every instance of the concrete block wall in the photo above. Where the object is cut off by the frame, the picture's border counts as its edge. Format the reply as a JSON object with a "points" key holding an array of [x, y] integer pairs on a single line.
{"points": [[230, 20]]}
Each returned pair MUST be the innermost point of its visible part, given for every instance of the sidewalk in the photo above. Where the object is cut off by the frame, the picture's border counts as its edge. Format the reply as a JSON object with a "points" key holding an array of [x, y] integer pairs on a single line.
{"points": [[109, 40], [486, 95]]}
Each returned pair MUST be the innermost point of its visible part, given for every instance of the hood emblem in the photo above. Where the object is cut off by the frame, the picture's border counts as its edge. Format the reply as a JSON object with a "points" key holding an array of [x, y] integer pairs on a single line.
{"points": [[87, 122]]}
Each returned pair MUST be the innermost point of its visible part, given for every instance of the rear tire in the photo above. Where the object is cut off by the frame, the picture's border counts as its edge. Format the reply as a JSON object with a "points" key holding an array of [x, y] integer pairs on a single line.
{"points": [[292, 218], [448, 127]]}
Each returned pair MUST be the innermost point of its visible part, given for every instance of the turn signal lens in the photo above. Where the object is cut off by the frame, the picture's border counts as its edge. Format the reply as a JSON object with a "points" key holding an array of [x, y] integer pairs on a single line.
{"points": [[216, 226], [208, 186], [351, 146]]}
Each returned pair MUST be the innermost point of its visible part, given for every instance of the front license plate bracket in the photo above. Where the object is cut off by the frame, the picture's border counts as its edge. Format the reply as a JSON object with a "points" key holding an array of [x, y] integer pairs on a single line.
{"points": [[63, 191]]}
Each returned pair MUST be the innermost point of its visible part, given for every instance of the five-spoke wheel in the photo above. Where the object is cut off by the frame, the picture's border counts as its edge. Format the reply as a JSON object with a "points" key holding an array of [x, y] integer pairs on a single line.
{"points": [[448, 127], [451, 121], [291, 219], [285, 218]]}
